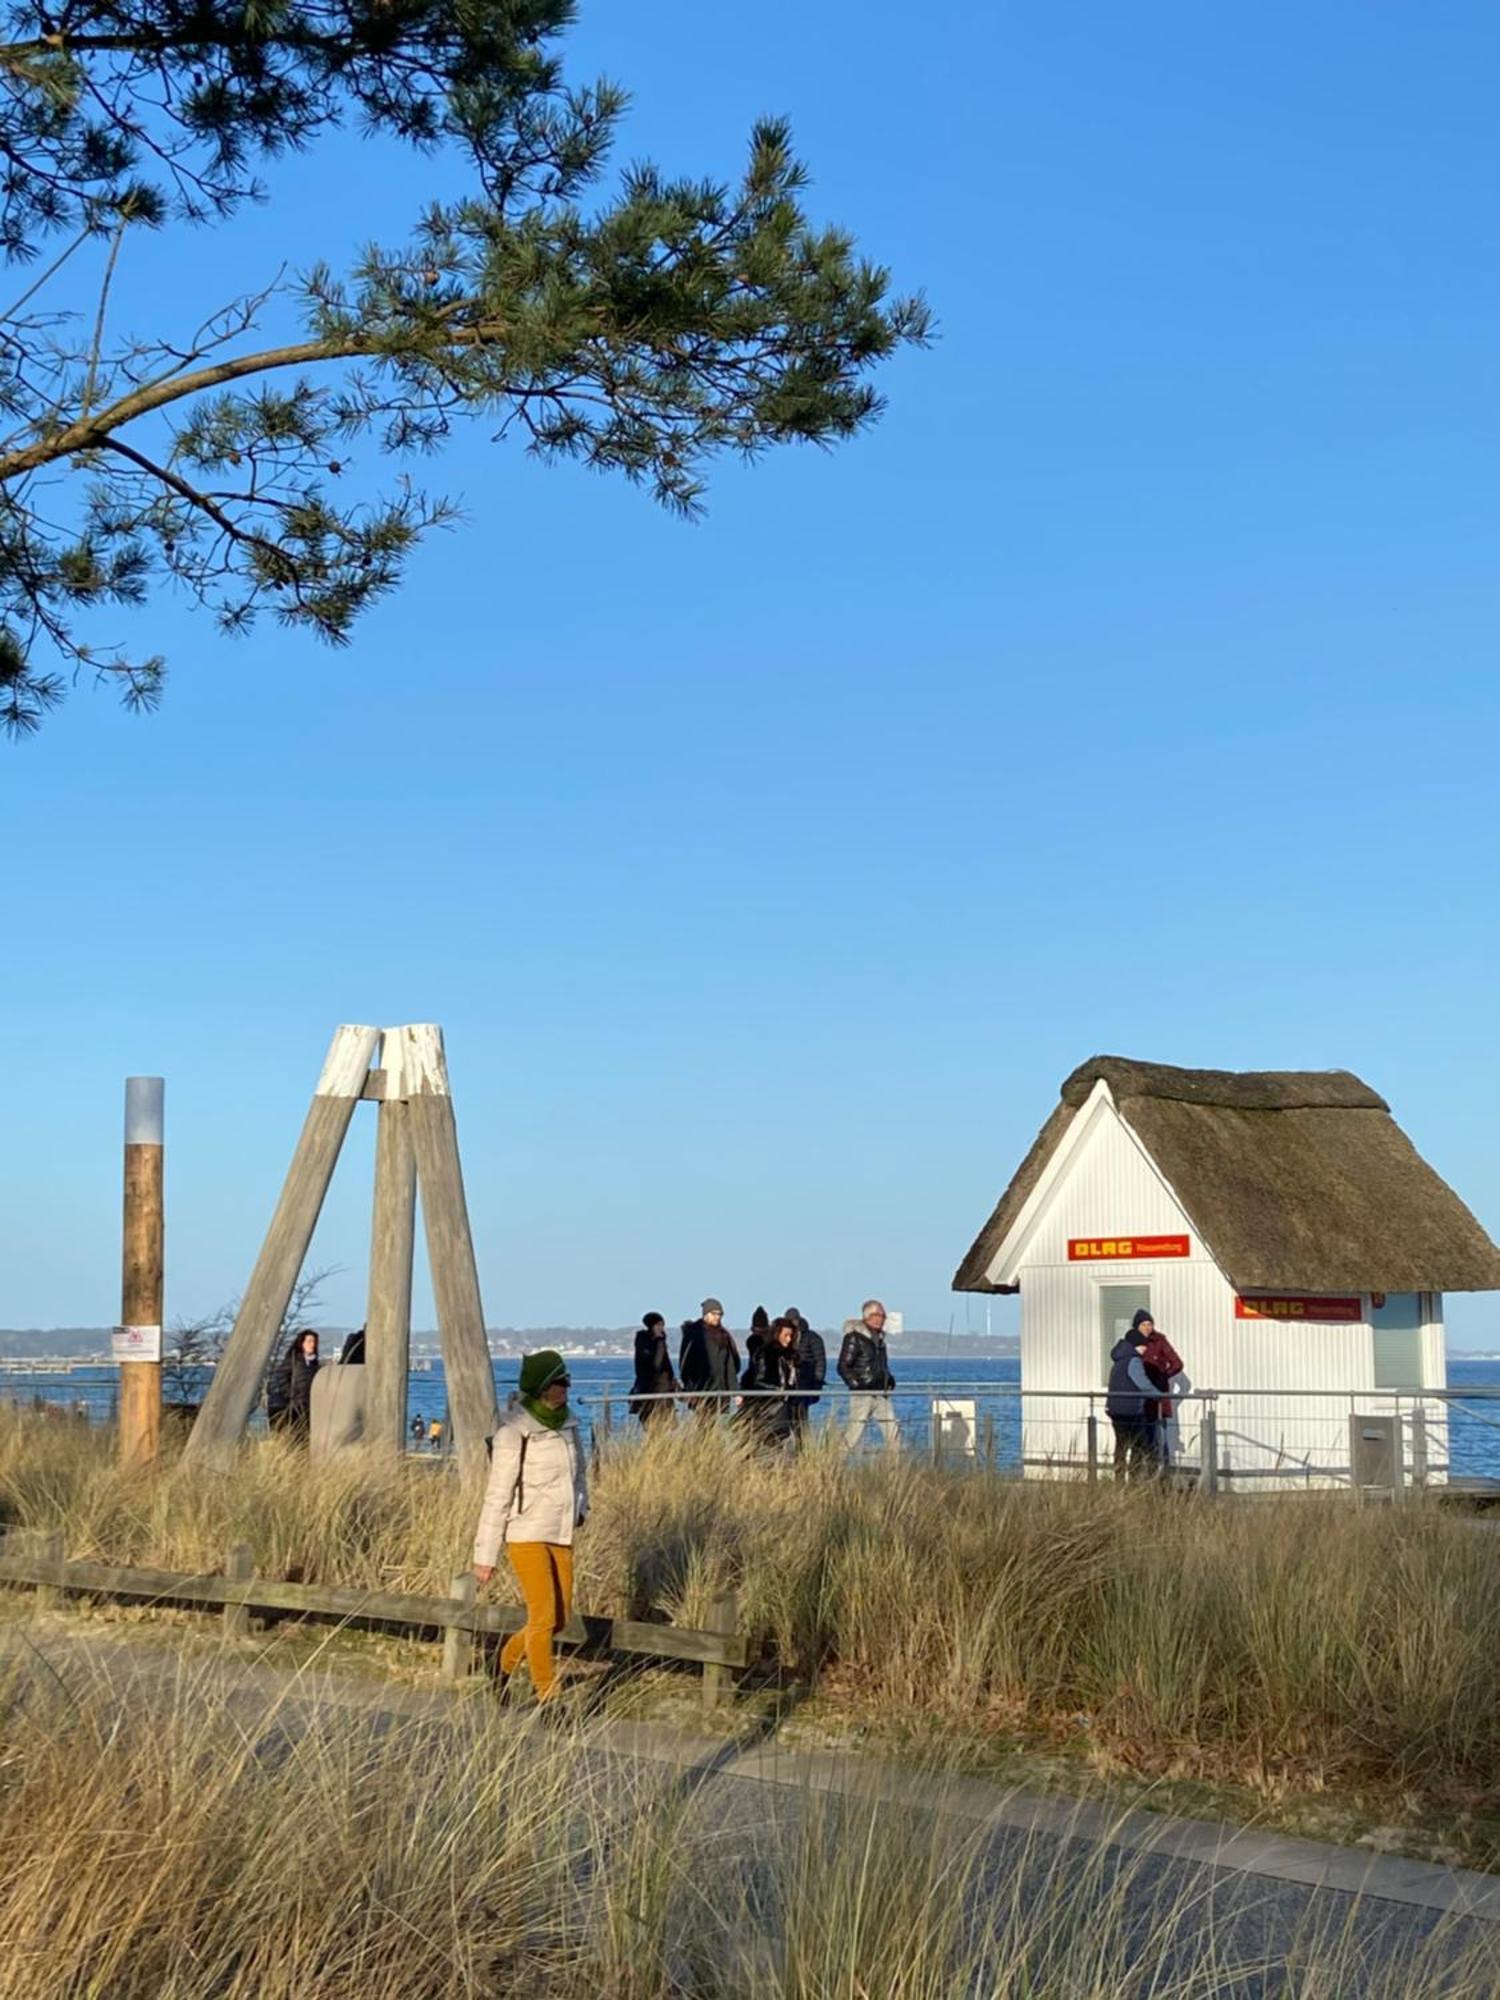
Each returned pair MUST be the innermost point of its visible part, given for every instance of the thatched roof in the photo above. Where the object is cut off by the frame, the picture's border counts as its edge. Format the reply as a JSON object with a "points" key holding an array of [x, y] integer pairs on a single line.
{"points": [[1296, 1180]]}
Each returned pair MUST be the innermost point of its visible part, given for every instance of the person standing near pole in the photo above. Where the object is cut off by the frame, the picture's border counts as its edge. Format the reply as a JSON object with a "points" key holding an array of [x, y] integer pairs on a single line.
{"points": [[289, 1391], [534, 1504], [865, 1370]]}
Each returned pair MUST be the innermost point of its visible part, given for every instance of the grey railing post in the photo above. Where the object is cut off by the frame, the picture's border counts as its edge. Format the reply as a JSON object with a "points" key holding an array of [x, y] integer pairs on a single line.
{"points": [[1208, 1451], [1093, 1445], [1418, 1445]]}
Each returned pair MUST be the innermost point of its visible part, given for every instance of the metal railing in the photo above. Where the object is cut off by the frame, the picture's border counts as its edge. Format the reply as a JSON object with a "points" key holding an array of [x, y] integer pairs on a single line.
{"points": [[1222, 1439], [1219, 1439]]}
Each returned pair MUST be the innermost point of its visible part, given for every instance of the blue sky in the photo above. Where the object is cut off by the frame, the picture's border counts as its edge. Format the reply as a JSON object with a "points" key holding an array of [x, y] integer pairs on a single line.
{"points": [[1131, 688]]}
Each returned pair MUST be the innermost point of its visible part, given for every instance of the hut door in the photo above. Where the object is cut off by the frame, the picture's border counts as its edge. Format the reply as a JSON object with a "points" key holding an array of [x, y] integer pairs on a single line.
{"points": [[1118, 1306]]}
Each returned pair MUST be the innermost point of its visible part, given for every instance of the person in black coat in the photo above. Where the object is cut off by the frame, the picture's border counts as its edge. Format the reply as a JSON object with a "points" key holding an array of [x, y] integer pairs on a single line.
{"points": [[812, 1363], [773, 1366], [865, 1370], [653, 1369], [289, 1391], [708, 1359]]}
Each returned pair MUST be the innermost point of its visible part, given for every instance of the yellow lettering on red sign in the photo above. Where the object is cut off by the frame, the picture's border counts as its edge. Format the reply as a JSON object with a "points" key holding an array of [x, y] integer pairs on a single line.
{"points": [[1085, 1249]]}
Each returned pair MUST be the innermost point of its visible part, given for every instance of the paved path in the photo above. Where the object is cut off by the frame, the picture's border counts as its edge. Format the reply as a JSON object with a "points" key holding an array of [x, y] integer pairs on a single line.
{"points": [[1266, 1898]]}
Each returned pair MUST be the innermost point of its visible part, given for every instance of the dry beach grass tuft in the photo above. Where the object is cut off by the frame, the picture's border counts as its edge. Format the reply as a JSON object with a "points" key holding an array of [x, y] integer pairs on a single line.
{"points": [[1296, 1642]]}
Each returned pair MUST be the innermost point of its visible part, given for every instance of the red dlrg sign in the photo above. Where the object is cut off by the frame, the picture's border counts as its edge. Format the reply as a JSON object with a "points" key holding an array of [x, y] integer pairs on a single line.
{"points": [[1097, 1249], [1342, 1312]]}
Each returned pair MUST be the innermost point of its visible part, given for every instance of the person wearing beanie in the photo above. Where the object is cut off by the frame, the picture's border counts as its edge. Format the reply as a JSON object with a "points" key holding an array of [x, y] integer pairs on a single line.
{"points": [[708, 1360], [654, 1382], [535, 1502], [1130, 1394]]}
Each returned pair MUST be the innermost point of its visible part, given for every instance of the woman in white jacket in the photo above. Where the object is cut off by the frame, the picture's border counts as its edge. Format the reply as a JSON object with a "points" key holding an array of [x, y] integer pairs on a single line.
{"points": [[535, 1502]]}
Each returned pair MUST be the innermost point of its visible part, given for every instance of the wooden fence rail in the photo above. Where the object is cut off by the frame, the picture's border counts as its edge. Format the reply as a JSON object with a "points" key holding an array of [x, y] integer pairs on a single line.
{"points": [[39, 1562]]}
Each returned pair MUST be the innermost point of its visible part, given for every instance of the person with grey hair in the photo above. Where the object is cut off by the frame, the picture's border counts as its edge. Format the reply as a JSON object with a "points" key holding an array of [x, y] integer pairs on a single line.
{"points": [[865, 1371]]}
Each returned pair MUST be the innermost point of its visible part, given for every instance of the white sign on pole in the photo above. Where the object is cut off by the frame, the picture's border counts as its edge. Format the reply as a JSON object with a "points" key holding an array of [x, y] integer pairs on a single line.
{"points": [[135, 1343]]}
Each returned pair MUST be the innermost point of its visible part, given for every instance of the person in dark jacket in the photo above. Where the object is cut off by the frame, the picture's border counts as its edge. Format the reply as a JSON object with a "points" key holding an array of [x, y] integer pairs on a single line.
{"points": [[865, 1370], [708, 1360], [653, 1370], [352, 1353], [773, 1368], [289, 1391], [759, 1334], [812, 1365], [1130, 1394]]}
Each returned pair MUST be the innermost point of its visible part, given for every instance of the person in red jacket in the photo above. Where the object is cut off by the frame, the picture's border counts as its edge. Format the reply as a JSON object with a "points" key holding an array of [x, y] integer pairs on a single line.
{"points": [[1163, 1364]]}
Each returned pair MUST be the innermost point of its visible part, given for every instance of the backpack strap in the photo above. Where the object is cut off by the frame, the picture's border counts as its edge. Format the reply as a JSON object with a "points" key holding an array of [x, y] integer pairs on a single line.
{"points": [[521, 1474]]}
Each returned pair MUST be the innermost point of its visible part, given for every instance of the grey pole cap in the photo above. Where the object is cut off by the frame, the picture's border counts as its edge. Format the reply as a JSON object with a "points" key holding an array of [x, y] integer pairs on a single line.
{"points": [[143, 1110]]}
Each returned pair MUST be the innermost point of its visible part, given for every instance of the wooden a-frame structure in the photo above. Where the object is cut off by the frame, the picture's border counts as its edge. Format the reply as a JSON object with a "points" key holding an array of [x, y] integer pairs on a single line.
{"points": [[404, 1071]]}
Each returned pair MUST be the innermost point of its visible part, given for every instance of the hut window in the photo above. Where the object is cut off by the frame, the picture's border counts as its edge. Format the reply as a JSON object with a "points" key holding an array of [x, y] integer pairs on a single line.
{"points": [[1398, 1341], [1118, 1306]]}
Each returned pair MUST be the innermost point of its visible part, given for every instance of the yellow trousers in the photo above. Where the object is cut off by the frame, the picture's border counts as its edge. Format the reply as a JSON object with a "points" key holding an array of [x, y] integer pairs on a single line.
{"points": [[545, 1571]]}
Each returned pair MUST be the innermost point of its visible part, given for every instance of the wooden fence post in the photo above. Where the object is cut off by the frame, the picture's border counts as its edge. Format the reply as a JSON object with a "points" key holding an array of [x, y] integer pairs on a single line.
{"points": [[49, 1547], [724, 1618], [239, 1567], [236, 1382], [458, 1642]]}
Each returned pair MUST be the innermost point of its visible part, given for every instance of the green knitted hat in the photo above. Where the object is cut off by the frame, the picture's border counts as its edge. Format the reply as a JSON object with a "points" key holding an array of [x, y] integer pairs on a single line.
{"points": [[540, 1371]]}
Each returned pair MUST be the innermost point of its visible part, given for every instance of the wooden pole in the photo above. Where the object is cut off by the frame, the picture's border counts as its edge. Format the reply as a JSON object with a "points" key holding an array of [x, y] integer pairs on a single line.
{"points": [[723, 1617], [236, 1385], [138, 1341], [458, 1644], [238, 1568], [388, 1310], [473, 1410]]}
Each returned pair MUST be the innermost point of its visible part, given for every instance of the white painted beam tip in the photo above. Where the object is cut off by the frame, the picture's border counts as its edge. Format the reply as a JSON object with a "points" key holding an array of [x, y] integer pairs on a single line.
{"points": [[424, 1067], [347, 1062]]}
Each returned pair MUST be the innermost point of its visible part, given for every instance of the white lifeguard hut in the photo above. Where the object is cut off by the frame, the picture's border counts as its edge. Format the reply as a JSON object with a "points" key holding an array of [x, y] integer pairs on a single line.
{"points": [[1284, 1233]]}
